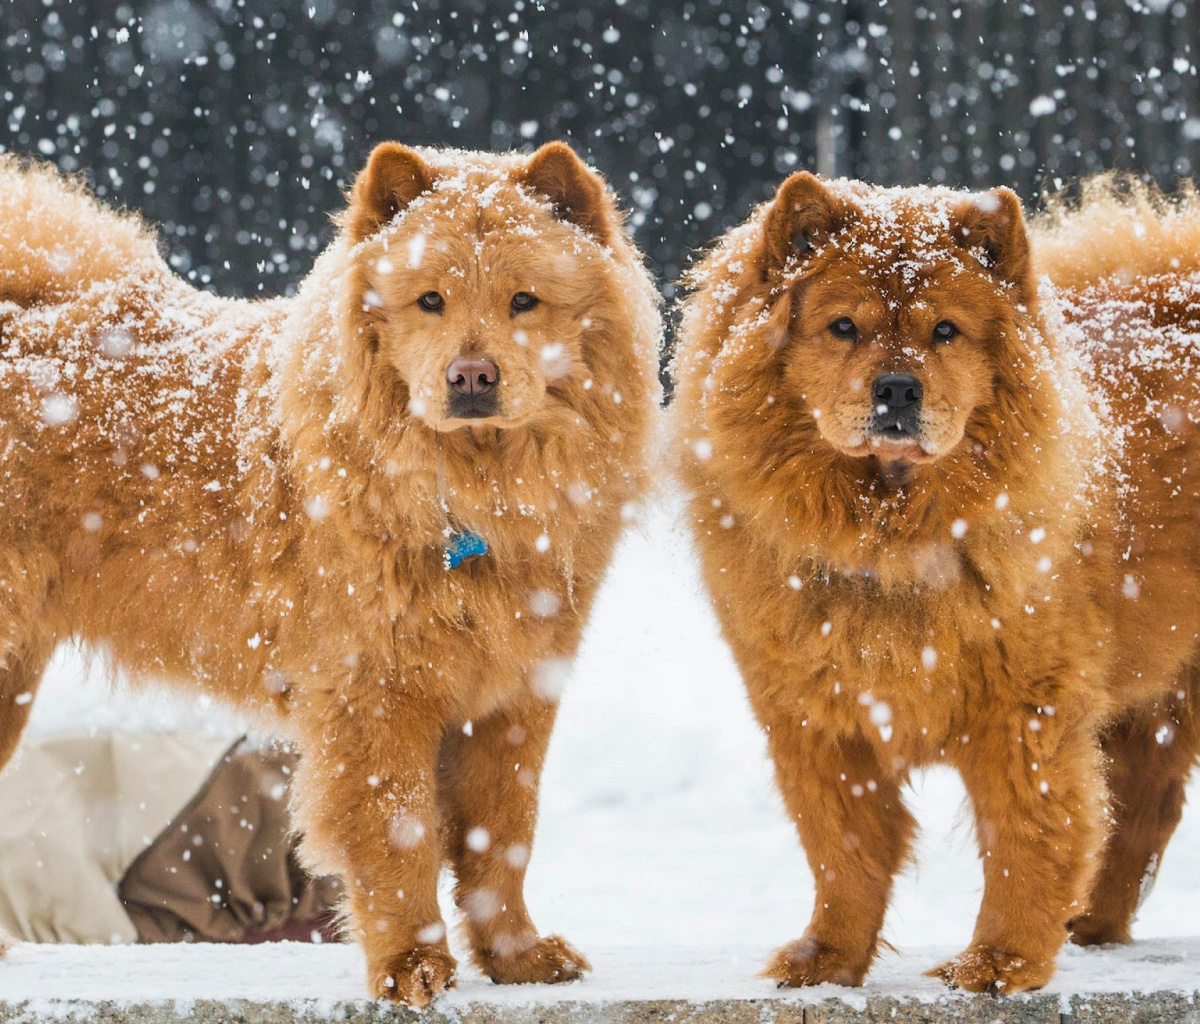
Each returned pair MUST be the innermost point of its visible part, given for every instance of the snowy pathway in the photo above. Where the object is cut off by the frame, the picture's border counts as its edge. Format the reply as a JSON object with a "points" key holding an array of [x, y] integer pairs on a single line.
{"points": [[317, 978]]}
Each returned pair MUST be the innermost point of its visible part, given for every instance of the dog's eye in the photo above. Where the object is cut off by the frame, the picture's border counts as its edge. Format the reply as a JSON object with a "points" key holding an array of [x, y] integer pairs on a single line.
{"points": [[844, 327], [522, 302], [944, 332], [431, 302]]}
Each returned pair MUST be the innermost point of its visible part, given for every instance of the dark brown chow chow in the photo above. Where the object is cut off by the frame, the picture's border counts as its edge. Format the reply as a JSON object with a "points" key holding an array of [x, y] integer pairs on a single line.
{"points": [[267, 500], [949, 511]]}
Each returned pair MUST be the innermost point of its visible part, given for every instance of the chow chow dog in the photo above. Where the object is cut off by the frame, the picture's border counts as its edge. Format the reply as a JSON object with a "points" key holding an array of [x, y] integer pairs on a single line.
{"points": [[944, 479], [376, 513]]}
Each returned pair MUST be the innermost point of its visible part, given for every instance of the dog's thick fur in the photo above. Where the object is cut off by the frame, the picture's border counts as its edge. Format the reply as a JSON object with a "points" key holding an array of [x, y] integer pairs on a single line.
{"points": [[1005, 592], [254, 498]]}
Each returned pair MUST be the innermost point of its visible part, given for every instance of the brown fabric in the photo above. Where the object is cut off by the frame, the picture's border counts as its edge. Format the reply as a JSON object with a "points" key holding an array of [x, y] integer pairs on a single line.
{"points": [[225, 870]]}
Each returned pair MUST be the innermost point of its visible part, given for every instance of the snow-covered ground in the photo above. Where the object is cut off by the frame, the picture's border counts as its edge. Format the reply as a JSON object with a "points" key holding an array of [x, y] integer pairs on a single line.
{"points": [[295, 972], [660, 826]]}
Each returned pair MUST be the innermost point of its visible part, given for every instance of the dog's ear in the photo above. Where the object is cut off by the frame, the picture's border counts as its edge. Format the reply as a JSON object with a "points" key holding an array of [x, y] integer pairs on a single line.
{"points": [[572, 188], [994, 223], [393, 178], [803, 213]]}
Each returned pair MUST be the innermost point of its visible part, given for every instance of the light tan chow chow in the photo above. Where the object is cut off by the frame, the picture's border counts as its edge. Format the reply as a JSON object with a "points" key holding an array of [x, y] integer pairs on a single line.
{"points": [[949, 511], [283, 503]]}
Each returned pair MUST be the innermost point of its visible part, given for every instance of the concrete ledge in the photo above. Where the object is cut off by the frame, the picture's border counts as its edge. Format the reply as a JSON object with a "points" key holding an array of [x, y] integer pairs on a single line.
{"points": [[296, 984], [1111, 1009]]}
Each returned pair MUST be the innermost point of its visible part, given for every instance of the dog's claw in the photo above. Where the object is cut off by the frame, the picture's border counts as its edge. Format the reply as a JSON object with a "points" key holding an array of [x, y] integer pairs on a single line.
{"points": [[993, 971], [415, 976], [807, 961], [547, 961]]}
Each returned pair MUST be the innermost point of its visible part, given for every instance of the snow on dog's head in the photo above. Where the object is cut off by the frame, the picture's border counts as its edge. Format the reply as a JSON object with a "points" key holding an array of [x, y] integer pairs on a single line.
{"points": [[904, 313], [479, 280], [877, 356]]}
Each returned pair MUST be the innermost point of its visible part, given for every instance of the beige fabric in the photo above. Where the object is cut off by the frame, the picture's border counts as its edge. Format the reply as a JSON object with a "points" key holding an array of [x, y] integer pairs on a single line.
{"points": [[75, 811]]}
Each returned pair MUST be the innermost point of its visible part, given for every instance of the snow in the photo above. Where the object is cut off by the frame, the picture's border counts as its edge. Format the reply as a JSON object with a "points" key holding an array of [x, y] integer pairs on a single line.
{"points": [[663, 851], [298, 973]]}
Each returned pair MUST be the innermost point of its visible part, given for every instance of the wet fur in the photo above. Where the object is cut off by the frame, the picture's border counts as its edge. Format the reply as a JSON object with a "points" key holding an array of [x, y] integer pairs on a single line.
{"points": [[1010, 598], [243, 498]]}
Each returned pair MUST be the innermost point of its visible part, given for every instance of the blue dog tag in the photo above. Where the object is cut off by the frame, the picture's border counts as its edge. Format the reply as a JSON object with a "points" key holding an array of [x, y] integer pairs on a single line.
{"points": [[462, 546]]}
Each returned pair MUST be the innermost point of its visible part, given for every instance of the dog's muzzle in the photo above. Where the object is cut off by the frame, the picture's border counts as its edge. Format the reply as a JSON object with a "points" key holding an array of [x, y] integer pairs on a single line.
{"points": [[897, 399]]}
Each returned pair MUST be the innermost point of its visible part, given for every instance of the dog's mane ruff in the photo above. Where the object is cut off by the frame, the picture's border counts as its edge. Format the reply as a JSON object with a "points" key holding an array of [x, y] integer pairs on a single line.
{"points": [[819, 507], [1117, 227], [356, 407]]}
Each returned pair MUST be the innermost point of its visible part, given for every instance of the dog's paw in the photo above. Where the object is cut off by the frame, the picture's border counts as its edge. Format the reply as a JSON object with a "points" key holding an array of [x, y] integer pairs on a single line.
{"points": [[1092, 931], [807, 961], [980, 969], [414, 976], [546, 961]]}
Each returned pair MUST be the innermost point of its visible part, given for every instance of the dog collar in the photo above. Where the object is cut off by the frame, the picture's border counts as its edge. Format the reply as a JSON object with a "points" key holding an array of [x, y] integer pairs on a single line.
{"points": [[461, 546]]}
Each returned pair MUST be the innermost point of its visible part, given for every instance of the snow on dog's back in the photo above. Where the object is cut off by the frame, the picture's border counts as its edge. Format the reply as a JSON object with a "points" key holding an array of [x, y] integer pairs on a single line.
{"points": [[56, 239]]}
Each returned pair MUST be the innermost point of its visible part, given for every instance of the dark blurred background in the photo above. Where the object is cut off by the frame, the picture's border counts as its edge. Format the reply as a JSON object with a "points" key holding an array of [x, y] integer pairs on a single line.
{"points": [[236, 124]]}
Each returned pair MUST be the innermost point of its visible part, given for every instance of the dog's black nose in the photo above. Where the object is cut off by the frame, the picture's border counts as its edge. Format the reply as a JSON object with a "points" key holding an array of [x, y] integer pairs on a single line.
{"points": [[895, 392], [472, 375]]}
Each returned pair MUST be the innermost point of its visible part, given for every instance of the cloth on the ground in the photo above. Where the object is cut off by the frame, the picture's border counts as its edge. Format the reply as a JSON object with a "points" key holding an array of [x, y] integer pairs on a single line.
{"points": [[151, 837], [226, 869]]}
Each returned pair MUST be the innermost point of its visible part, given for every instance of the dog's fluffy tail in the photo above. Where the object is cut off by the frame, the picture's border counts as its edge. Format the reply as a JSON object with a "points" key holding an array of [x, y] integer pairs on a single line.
{"points": [[55, 237], [1120, 227]]}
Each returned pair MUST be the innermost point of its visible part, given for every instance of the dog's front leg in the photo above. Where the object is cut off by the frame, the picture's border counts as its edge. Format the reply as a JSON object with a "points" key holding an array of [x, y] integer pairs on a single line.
{"points": [[856, 833], [365, 800], [488, 789], [1038, 794]]}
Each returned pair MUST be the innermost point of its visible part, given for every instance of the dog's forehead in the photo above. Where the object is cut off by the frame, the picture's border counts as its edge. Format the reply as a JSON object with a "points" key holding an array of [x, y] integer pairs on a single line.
{"points": [[902, 240], [488, 241], [477, 205], [909, 224]]}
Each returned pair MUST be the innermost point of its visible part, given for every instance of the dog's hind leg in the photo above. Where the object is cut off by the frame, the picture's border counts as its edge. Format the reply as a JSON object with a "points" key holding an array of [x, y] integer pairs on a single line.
{"points": [[20, 675], [487, 792], [26, 644], [19, 680], [1152, 750]]}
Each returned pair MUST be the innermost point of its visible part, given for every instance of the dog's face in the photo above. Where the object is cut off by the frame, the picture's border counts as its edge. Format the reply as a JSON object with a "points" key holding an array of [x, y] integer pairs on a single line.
{"points": [[898, 301], [480, 294]]}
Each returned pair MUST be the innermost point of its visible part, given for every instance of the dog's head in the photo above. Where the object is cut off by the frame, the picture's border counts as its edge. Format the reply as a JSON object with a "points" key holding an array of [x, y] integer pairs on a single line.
{"points": [[481, 296], [897, 310]]}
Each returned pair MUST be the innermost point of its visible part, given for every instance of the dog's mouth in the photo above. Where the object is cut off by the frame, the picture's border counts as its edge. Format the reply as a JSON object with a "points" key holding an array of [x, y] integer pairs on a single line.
{"points": [[892, 441], [478, 411], [472, 406], [460, 419], [902, 429], [901, 450]]}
